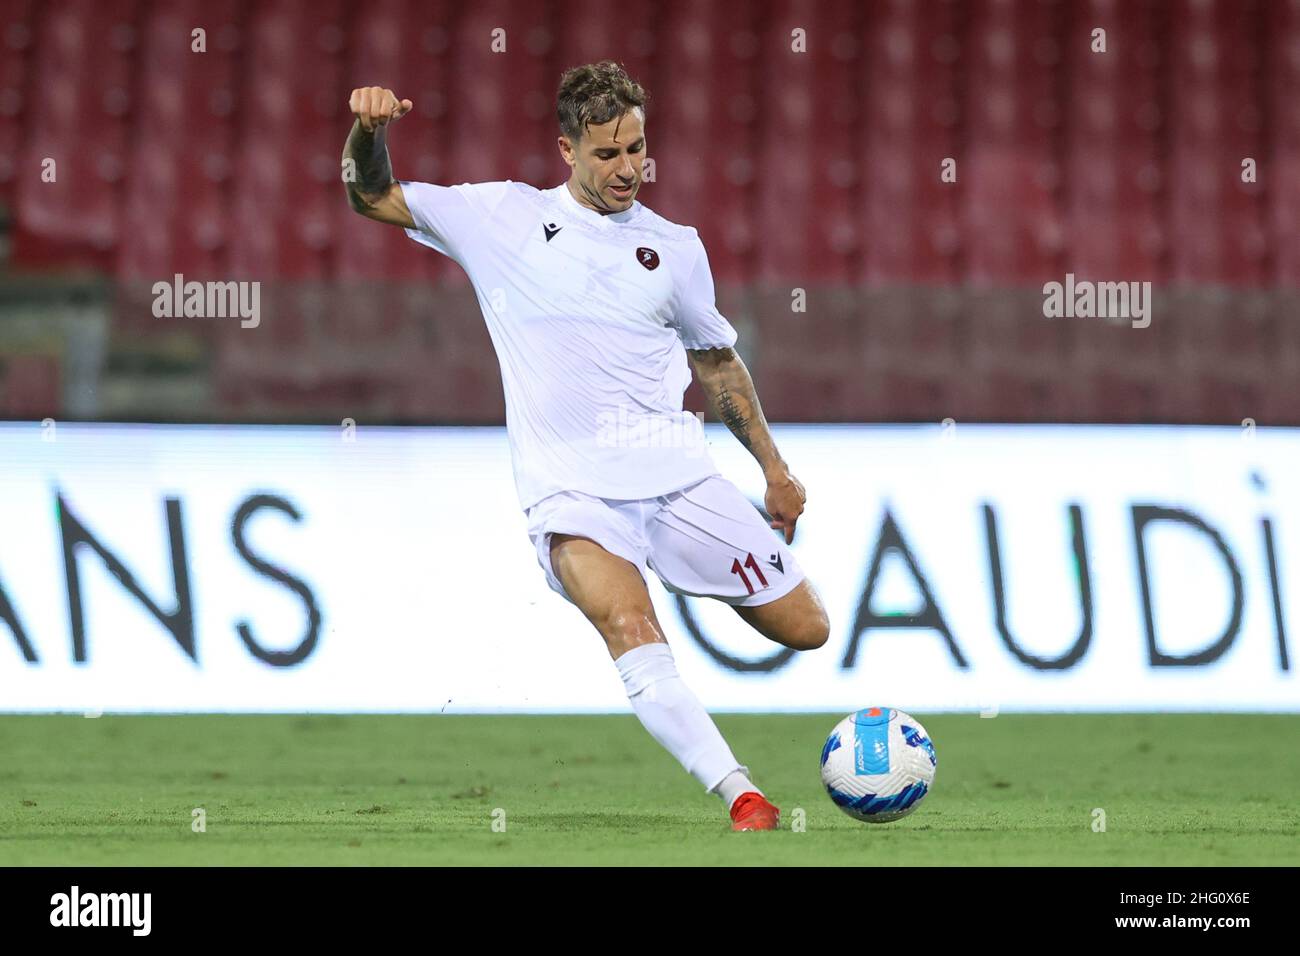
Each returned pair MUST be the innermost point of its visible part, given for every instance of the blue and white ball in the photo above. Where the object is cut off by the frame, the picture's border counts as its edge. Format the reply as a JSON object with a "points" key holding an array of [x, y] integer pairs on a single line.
{"points": [[878, 764]]}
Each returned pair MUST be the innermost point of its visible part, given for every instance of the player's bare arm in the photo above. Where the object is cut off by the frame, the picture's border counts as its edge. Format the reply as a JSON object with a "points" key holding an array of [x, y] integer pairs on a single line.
{"points": [[725, 379], [367, 171]]}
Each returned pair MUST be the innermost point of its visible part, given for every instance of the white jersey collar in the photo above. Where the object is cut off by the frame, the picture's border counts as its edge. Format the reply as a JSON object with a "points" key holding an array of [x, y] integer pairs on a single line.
{"points": [[603, 221]]}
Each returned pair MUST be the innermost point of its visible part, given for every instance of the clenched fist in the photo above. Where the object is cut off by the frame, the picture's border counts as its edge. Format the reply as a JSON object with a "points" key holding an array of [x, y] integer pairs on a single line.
{"points": [[374, 106]]}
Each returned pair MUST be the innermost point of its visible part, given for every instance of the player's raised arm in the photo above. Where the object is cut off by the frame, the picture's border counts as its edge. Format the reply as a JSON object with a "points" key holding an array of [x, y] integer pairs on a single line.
{"points": [[367, 172], [725, 379]]}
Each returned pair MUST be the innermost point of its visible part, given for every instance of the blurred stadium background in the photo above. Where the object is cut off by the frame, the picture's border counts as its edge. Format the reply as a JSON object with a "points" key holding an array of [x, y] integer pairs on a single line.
{"points": [[814, 170], [392, 574]]}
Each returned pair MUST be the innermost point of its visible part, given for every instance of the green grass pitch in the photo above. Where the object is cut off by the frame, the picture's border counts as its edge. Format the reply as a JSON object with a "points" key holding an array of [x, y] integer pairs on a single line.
{"points": [[1193, 789]]}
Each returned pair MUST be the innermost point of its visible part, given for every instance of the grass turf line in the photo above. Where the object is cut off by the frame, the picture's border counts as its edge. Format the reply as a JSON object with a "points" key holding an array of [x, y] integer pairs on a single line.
{"points": [[1191, 789]]}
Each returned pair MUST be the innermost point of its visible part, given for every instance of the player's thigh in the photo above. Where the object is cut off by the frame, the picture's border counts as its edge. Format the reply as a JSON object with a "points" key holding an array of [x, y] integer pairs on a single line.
{"points": [[609, 590], [797, 620]]}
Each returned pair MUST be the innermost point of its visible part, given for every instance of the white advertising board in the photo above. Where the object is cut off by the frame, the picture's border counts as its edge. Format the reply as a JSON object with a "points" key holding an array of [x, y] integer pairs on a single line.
{"points": [[151, 568]]}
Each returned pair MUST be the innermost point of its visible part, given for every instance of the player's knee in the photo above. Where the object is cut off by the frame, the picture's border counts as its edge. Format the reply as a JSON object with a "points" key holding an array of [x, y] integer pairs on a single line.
{"points": [[629, 626], [806, 626], [813, 631]]}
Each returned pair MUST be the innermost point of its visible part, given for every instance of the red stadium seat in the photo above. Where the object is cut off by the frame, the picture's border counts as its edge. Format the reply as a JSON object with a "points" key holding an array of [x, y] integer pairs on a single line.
{"points": [[30, 386], [75, 157], [16, 42]]}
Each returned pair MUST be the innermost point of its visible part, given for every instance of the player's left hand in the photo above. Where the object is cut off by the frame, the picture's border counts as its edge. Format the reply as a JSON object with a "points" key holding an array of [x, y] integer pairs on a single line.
{"points": [[784, 502]]}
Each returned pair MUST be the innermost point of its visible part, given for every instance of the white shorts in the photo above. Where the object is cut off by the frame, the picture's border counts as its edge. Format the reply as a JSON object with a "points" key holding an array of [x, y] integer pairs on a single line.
{"points": [[706, 540]]}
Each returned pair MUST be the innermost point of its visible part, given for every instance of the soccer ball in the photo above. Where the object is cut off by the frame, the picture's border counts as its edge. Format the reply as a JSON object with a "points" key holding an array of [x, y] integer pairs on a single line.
{"points": [[878, 764]]}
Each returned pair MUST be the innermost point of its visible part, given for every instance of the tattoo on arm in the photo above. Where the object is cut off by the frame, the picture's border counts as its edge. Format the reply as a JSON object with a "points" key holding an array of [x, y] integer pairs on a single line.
{"points": [[731, 389], [732, 416], [374, 171]]}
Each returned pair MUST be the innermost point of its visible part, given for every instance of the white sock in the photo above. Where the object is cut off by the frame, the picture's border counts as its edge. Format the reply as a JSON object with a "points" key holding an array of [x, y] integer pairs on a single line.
{"points": [[676, 718], [736, 783]]}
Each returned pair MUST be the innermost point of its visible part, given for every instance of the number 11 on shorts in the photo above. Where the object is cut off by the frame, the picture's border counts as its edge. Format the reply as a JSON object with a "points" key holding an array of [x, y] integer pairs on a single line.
{"points": [[738, 568]]}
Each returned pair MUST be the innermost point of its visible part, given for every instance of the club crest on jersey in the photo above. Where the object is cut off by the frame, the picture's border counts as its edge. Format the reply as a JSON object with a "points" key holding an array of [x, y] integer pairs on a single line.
{"points": [[647, 257]]}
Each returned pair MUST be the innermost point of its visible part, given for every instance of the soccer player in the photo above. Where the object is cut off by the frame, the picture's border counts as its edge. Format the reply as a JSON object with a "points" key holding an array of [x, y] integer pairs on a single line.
{"points": [[595, 304]]}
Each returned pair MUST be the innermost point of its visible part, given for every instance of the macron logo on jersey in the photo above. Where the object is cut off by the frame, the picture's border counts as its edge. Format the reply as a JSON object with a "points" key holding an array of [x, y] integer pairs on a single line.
{"points": [[550, 229]]}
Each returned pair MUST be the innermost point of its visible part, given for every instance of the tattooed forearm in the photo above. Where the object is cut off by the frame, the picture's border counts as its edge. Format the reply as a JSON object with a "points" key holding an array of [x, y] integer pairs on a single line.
{"points": [[372, 170], [732, 416], [727, 382]]}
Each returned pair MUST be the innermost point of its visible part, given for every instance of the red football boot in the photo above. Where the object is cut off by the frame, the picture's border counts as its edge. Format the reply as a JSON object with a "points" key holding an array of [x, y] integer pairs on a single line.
{"points": [[751, 811]]}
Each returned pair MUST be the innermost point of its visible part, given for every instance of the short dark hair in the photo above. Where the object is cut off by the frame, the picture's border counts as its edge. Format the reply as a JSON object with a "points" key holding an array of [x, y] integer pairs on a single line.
{"points": [[595, 93]]}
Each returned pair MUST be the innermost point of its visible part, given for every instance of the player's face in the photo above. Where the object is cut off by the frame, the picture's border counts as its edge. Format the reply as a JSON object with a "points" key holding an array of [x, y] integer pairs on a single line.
{"points": [[607, 163]]}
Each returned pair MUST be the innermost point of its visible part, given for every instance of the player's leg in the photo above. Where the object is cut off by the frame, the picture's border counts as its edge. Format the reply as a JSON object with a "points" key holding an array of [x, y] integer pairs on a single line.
{"points": [[797, 620], [611, 593], [609, 590]]}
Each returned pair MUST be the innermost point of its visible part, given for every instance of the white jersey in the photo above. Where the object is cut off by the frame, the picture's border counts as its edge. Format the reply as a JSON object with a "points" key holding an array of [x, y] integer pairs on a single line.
{"points": [[590, 316]]}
